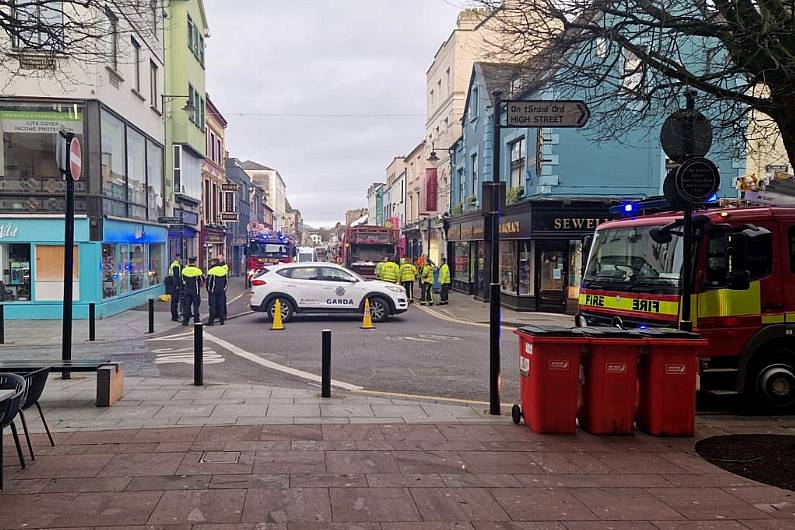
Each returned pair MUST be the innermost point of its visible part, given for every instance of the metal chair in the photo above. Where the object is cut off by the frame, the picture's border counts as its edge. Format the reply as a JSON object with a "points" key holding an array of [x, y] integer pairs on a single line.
{"points": [[35, 382], [8, 411]]}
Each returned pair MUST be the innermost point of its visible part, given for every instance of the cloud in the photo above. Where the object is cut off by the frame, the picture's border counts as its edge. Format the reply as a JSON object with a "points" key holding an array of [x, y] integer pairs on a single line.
{"points": [[295, 57]]}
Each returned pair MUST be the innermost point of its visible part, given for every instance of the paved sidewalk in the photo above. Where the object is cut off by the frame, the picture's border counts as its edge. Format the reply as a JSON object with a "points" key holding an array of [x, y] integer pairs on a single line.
{"points": [[465, 308]]}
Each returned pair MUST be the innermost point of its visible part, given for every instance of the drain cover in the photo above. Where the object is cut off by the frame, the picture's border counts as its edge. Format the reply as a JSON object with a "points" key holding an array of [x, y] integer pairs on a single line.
{"points": [[220, 457]]}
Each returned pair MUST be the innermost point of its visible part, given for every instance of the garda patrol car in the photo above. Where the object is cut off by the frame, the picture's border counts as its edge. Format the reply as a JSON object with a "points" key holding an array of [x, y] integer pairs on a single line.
{"points": [[323, 288]]}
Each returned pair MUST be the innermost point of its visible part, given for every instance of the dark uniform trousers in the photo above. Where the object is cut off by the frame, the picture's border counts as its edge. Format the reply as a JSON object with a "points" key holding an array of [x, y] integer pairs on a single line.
{"points": [[217, 303], [192, 276], [176, 299], [217, 281]]}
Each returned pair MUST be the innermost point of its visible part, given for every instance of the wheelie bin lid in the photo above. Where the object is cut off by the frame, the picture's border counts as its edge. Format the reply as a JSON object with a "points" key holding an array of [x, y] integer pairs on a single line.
{"points": [[551, 331], [611, 333], [667, 333]]}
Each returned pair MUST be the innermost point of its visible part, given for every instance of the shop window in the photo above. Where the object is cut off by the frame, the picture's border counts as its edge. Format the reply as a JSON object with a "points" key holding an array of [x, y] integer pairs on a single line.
{"points": [[15, 269], [49, 273], [525, 268], [114, 175], [136, 172], [461, 264], [575, 268], [110, 273], [508, 276], [138, 267], [155, 183], [478, 265]]}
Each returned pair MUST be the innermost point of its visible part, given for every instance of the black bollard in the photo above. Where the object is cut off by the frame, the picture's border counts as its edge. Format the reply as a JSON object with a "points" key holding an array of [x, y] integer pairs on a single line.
{"points": [[92, 320], [198, 354], [2, 324], [151, 315], [325, 369]]}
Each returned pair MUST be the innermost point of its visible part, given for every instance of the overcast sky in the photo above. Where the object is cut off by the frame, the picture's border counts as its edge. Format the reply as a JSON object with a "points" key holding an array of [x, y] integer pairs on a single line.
{"points": [[293, 57]]}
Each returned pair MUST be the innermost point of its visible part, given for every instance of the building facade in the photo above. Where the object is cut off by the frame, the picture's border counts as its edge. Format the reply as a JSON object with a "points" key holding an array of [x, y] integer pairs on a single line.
{"points": [[185, 112], [559, 185], [115, 110], [375, 203], [212, 238], [237, 231], [273, 185]]}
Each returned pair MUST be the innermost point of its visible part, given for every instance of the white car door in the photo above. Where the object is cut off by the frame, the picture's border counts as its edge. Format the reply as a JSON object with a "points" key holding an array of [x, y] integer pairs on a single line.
{"points": [[305, 285], [341, 290]]}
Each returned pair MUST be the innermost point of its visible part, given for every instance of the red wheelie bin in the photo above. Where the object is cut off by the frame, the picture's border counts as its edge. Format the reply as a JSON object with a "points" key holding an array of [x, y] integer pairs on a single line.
{"points": [[549, 378], [667, 376], [611, 381]]}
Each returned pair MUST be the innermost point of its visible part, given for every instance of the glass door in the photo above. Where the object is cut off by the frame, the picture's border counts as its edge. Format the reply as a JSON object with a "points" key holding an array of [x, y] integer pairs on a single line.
{"points": [[551, 275]]}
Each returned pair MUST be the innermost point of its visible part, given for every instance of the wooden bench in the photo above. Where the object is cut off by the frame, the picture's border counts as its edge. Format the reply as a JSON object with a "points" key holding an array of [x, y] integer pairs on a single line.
{"points": [[110, 375]]}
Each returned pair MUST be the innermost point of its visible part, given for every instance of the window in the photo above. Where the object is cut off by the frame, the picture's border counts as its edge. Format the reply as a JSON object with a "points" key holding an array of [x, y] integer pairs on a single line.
{"points": [[155, 183], [336, 275], [759, 257], [474, 103], [431, 103], [214, 217], [201, 123], [229, 202], [136, 173], [113, 35], [439, 89], [191, 34], [137, 66], [461, 185], [15, 272], [508, 279], [517, 163], [193, 102], [177, 169], [48, 272], [575, 268], [156, 264], [200, 50], [40, 25], [153, 17], [516, 85], [632, 78], [461, 261], [447, 76], [206, 201], [154, 95], [474, 173], [113, 157], [525, 268]]}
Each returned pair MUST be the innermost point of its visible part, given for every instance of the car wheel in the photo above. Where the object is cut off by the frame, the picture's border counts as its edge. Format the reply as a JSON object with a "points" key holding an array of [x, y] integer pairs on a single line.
{"points": [[287, 309], [379, 309], [772, 382]]}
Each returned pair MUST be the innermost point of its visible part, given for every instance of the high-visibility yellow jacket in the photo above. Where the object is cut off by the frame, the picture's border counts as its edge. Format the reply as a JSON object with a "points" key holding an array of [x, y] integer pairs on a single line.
{"points": [[390, 272], [427, 274], [408, 272], [192, 277], [379, 270], [444, 274]]}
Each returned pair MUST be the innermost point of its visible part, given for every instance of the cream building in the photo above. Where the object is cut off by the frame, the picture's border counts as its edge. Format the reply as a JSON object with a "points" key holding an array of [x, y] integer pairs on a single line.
{"points": [[271, 181]]}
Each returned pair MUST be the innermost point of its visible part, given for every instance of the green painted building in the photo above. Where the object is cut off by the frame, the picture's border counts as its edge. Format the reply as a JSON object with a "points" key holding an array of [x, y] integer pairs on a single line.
{"points": [[184, 106]]}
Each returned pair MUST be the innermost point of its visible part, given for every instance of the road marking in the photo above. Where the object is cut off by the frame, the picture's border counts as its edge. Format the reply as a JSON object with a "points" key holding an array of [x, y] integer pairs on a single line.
{"points": [[240, 352], [244, 313], [178, 336], [440, 316], [238, 297], [185, 356]]}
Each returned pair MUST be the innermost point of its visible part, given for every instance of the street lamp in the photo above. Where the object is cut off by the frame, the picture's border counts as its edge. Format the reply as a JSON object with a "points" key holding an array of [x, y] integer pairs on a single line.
{"points": [[432, 157]]}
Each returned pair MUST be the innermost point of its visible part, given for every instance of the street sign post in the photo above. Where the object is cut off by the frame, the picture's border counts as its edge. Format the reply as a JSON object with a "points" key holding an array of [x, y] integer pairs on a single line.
{"points": [[686, 134], [541, 113], [70, 164]]}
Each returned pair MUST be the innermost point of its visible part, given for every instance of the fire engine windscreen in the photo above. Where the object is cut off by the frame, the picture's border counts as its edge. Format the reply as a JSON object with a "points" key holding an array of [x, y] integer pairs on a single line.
{"points": [[629, 259], [267, 250]]}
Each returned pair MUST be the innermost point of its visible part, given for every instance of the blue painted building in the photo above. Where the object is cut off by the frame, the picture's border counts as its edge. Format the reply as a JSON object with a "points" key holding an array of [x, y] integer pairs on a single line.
{"points": [[559, 185], [238, 232]]}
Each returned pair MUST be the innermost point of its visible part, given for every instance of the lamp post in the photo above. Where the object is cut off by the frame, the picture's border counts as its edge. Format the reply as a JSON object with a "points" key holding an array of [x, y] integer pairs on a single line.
{"points": [[189, 108]]}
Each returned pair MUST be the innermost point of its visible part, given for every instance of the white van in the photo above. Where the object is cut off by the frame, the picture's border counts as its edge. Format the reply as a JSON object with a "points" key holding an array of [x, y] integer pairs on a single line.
{"points": [[306, 254]]}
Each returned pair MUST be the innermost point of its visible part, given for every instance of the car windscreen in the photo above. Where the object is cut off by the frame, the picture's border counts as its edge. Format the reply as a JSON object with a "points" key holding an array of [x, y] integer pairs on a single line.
{"points": [[628, 259]]}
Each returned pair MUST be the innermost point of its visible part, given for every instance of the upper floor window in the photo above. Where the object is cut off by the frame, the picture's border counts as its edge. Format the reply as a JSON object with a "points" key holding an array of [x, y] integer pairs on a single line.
{"points": [[516, 85], [195, 41], [475, 174], [136, 63], [153, 90], [153, 17], [474, 103], [40, 25], [632, 78], [517, 163], [447, 75], [113, 35]]}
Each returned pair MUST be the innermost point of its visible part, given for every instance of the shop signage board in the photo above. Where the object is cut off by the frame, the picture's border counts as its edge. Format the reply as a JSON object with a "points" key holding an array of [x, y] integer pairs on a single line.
{"points": [[546, 113], [229, 186], [169, 220], [561, 222], [30, 122], [229, 217]]}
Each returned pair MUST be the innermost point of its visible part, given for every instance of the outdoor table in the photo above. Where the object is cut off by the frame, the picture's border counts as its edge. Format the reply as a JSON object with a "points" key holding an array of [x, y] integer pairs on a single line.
{"points": [[6, 394]]}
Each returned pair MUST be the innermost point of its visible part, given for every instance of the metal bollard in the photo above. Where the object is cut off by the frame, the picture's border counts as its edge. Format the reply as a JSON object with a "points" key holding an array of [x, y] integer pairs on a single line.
{"points": [[92, 320], [198, 354], [151, 315], [325, 369], [2, 324]]}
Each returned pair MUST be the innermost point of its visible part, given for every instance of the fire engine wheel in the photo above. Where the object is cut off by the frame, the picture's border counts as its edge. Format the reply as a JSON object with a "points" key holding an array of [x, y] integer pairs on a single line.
{"points": [[516, 414], [287, 309], [774, 381], [379, 309]]}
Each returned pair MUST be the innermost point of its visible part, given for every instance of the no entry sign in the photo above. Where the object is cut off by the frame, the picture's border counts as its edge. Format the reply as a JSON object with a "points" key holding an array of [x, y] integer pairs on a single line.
{"points": [[75, 158]]}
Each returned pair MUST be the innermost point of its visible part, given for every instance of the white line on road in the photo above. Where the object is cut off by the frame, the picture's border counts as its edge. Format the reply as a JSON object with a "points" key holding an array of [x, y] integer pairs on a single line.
{"points": [[238, 297], [419, 340], [178, 336], [275, 366], [244, 313], [440, 316]]}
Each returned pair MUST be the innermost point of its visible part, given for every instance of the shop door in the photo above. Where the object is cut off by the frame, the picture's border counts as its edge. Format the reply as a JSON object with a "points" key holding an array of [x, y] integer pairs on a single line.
{"points": [[552, 267]]}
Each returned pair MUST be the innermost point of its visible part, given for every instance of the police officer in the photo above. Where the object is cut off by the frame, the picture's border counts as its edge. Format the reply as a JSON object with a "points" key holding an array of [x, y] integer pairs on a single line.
{"points": [[444, 281], [390, 272], [217, 280], [174, 286], [408, 273], [192, 280], [426, 277], [379, 269]]}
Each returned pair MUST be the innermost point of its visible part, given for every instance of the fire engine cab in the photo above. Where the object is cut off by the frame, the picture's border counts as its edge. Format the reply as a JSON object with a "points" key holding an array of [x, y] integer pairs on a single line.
{"points": [[743, 292]]}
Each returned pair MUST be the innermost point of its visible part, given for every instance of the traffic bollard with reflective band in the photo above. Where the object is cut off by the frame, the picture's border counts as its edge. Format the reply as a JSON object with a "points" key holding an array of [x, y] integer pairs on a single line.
{"points": [[549, 377], [667, 376], [610, 372]]}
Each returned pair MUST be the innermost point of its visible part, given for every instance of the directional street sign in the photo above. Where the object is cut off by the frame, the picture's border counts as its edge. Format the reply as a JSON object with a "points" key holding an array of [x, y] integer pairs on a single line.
{"points": [[541, 113]]}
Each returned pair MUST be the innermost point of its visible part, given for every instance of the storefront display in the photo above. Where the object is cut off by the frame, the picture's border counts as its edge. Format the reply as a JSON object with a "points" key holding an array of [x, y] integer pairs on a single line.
{"points": [[461, 268], [508, 269], [15, 265], [127, 268]]}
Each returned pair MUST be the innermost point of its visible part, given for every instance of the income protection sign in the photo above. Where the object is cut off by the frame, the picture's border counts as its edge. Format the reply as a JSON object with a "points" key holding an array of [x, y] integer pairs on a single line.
{"points": [[567, 113]]}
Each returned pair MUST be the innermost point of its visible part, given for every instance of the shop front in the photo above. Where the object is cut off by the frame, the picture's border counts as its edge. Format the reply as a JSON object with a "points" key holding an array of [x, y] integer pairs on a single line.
{"points": [[541, 253], [213, 244], [119, 272]]}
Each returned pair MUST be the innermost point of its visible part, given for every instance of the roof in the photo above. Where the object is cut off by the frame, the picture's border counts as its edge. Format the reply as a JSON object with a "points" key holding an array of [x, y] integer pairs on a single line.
{"points": [[213, 110], [250, 164]]}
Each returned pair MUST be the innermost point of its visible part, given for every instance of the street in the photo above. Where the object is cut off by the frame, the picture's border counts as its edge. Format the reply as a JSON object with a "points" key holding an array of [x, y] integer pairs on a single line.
{"points": [[414, 353]]}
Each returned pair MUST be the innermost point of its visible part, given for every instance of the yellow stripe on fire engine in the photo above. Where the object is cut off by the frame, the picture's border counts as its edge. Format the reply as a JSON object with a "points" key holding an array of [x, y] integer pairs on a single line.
{"points": [[628, 303], [729, 303]]}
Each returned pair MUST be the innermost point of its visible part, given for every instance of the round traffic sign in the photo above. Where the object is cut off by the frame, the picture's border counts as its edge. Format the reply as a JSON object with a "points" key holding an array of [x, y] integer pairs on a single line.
{"points": [[697, 179], [685, 127], [75, 158]]}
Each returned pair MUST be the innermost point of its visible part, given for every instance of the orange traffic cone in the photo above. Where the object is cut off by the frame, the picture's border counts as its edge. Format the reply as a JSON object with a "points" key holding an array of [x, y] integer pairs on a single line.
{"points": [[277, 316], [367, 321]]}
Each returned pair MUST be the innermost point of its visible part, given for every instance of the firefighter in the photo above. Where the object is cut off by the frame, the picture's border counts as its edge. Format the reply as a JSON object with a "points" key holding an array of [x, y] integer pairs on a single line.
{"points": [[174, 286], [379, 269], [192, 279], [444, 280], [408, 273], [390, 272], [426, 277], [217, 280]]}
